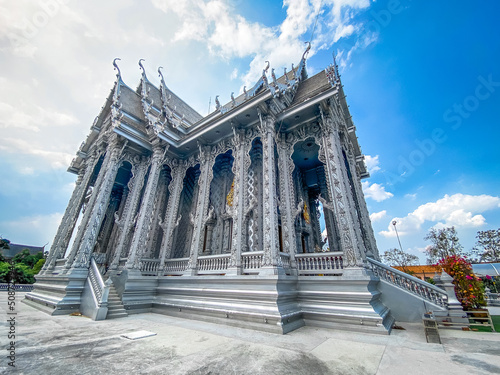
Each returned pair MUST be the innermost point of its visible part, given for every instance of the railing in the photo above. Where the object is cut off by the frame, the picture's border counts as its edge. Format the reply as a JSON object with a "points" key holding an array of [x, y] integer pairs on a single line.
{"points": [[213, 263], [284, 261], [493, 299], [100, 290], [320, 263], [17, 287], [150, 267], [409, 283], [175, 266], [251, 260]]}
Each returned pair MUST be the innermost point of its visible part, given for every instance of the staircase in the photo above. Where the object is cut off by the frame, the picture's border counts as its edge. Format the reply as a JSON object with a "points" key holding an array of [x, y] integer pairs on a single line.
{"points": [[115, 307]]}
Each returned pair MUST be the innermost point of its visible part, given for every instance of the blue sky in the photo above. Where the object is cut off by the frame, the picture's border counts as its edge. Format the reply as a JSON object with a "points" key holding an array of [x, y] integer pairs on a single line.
{"points": [[422, 80]]}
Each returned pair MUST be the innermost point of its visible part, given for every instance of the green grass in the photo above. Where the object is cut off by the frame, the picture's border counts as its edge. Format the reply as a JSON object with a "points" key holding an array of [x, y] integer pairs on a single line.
{"points": [[480, 328]]}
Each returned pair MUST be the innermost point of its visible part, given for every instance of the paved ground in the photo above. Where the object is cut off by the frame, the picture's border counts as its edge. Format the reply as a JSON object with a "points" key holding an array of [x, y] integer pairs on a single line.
{"points": [[71, 344]]}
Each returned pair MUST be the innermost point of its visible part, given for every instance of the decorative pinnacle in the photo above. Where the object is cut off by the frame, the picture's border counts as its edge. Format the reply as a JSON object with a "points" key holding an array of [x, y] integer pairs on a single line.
{"points": [[118, 74], [266, 68], [306, 51], [142, 68]]}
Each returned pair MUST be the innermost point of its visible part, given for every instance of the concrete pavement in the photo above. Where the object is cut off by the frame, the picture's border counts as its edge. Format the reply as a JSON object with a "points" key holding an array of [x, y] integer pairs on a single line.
{"points": [[75, 344]]}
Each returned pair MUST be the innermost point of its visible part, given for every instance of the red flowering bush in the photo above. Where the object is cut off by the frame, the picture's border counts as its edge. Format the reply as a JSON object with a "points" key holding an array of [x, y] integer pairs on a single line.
{"points": [[468, 287]]}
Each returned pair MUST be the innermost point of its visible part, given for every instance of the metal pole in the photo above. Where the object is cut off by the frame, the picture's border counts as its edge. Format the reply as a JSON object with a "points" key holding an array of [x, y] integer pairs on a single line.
{"points": [[394, 223]]}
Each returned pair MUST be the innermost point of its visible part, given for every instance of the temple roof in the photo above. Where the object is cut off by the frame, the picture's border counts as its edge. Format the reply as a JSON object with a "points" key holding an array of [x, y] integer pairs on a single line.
{"points": [[152, 112]]}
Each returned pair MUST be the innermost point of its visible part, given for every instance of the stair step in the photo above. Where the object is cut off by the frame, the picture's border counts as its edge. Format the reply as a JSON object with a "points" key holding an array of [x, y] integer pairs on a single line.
{"points": [[117, 315]]}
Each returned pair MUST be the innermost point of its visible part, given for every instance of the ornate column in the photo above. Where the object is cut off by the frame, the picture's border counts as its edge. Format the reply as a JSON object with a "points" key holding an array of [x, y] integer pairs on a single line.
{"points": [[70, 217], [96, 210], [370, 243], [144, 218], [170, 221], [241, 148], [158, 208], [113, 142], [338, 193], [128, 216], [287, 194], [269, 201], [116, 228], [201, 214]]}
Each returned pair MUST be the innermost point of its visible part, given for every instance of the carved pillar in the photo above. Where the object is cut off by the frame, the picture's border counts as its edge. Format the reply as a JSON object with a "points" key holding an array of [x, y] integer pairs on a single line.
{"points": [[158, 207], [96, 209], [269, 201], [86, 216], [170, 221], [338, 193], [116, 228], [237, 211], [204, 181], [128, 216], [370, 243], [287, 201], [144, 218], [70, 217]]}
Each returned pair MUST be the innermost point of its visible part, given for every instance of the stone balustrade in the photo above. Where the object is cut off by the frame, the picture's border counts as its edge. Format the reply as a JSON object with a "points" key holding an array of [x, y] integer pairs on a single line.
{"points": [[330, 263], [150, 267], [409, 283], [251, 261], [175, 266], [213, 263]]}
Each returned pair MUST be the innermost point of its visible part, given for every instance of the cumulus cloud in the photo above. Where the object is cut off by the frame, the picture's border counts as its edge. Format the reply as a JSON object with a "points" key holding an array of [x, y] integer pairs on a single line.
{"points": [[377, 216], [372, 163], [459, 210], [375, 191], [228, 34]]}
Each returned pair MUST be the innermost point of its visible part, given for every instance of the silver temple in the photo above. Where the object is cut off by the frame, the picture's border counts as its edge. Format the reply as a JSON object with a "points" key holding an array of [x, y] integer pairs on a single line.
{"points": [[252, 216]]}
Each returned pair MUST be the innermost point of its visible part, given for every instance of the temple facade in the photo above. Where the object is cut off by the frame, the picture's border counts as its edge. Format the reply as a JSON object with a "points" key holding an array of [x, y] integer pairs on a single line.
{"points": [[253, 215]]}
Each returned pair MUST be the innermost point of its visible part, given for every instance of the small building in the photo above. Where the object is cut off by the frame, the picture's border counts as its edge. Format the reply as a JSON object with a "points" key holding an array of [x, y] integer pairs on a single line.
{"points": [[15, 248]]}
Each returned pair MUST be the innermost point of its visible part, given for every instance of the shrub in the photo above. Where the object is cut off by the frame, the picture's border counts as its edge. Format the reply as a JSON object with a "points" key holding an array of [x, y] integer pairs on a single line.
{"points": [[468, 287]]}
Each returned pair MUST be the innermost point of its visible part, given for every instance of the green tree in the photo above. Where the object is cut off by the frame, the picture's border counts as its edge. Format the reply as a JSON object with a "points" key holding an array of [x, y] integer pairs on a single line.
{"points": [[4, 272], [487, 248], [26, 258], [400, 258], [445, 243], [4, 243], [38, 266], [22, 274]]}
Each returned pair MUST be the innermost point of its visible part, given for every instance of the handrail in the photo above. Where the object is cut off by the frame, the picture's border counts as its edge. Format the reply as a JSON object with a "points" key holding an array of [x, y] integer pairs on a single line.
{"points": [[218, 262], [409, 283], [100, 289]]}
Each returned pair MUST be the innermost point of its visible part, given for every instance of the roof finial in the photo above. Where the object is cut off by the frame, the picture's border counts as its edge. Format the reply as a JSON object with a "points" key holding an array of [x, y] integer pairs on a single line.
{"points": [[245, 91], [306, 51], [118, 75], [160, 73], [232, 99], [217, 103], [142, 67], [266, 69]]}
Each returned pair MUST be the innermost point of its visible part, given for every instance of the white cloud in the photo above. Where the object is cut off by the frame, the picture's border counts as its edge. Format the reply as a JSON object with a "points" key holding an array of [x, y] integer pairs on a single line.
{"points": [[376, 216], [459, 210], [375, 191], [372, 163], [411, 196]]}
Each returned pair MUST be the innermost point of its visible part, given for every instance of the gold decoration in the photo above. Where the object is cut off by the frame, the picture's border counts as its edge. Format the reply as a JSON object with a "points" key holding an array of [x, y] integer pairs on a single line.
{"points": [[230, 195], [305, 213]]}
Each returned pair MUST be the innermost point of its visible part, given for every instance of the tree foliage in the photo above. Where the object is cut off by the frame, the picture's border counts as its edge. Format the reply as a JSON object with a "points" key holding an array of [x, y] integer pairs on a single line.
{"points": [[445, 243], [26, 258], [22, 268], [487, 248], [400, 258], [4, 243]]}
